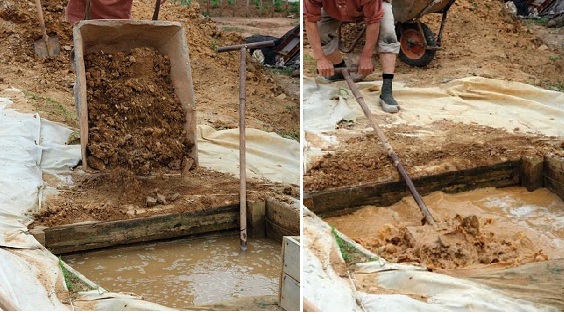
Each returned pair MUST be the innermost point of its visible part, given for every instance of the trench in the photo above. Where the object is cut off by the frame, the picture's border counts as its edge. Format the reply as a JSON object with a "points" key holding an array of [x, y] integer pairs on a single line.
{"points": [[507, 226], [186, 272]]}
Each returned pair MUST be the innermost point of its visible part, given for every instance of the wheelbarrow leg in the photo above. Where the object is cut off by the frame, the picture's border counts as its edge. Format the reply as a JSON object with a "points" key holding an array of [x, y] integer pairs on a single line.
{"points": [[443, 20]]}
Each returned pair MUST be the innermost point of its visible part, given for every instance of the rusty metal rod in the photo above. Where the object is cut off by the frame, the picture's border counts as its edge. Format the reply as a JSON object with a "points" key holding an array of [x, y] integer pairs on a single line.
{"points": [[257, 45], [157, 9], [384, 140]]}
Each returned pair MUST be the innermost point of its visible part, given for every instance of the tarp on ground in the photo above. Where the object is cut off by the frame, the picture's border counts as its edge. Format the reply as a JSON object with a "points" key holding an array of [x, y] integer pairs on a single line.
{"points": [[391, 287], [30, 276], [512, 106]]}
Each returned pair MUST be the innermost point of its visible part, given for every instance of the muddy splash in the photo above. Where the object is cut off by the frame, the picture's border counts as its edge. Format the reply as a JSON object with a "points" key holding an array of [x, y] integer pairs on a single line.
{"points": [[488, 226]]}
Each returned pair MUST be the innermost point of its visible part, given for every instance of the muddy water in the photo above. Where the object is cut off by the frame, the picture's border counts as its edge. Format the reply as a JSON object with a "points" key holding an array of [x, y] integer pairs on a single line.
{"points": [[485, 226], [186, 272]]}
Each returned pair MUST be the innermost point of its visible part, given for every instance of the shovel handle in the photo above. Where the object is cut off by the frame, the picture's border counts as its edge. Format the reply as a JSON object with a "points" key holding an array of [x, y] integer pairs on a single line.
{"points": [[88, 10], [41, 19], [257, 45], [157, 9]]}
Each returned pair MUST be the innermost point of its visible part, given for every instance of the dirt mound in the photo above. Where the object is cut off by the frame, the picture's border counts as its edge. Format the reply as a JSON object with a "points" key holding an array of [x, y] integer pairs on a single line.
{"points": [[463, 243], [49, 80], [480, 38], [454, 146], [135, 118]]}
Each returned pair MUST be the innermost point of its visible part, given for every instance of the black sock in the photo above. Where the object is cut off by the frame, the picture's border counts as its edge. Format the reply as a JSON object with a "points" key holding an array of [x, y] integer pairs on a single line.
{"points": [[388, 76], [340, 65]]}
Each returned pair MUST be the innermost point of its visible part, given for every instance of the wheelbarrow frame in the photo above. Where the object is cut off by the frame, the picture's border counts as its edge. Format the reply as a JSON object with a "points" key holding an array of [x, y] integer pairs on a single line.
{"points": [[407, 22]]}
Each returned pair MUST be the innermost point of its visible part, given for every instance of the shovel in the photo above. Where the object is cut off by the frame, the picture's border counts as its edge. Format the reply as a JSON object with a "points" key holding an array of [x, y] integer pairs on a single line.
{"points": [[46, 46]]}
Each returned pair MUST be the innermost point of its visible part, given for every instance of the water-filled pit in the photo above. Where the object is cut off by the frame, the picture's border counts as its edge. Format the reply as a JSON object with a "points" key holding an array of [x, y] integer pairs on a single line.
{"points": [[186, 272], [509, 226]]}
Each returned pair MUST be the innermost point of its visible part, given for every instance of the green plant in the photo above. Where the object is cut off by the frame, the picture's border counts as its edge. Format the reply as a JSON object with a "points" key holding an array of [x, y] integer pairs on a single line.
{"points": [[215, 4], [213, 45], [184, 2], [72, 281], [555, 86], [345, 248], [539, 21], [51, 106], [295, 7]]}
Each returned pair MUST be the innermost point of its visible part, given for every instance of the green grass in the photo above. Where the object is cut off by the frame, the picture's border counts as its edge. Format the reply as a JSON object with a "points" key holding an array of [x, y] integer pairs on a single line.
{"points": [[233, 29], [540, 21], [183, 2], [73, 283], [284, 71], [345, 248], [559, 86], [51, 106]]}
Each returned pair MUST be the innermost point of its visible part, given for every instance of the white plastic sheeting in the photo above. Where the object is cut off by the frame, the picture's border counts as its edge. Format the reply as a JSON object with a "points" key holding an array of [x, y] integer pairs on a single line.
{"points": [[500, 104], [490, 102], [269, 156], [30, 276], [396, 283]]}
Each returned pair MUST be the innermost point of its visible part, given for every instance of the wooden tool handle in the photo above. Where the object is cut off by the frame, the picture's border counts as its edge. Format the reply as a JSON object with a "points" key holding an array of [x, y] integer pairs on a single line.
{"points": [[41, 19]]}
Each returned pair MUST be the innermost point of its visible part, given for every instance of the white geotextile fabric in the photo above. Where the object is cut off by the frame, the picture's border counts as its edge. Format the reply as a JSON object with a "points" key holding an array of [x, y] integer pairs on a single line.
{"points": [[444, 293], [490, 102], [30, 146], [269, 156], [495, 103]]}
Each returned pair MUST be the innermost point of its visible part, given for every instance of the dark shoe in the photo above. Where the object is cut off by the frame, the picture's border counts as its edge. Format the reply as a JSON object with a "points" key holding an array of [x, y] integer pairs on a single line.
{"points": [[330, 79], [389, 104]]}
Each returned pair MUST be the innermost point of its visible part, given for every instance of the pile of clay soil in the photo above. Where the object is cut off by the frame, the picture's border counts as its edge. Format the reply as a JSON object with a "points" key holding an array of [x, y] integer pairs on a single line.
{"points": [[135, 118], [454, 146]]}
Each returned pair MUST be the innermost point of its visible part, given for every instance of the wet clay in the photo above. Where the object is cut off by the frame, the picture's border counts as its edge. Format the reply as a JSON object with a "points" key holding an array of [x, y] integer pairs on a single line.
{"points": [[186, 272], [482, 227], [135, 118]]}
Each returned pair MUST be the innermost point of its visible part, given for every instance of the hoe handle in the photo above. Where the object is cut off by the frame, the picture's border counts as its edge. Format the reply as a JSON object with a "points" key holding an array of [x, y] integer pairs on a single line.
{"points": [[261, 44], [384, 140]]}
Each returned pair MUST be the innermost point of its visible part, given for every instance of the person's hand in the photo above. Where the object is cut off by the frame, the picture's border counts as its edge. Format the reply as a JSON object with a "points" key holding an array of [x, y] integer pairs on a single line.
{"points": [[325, 67], [365, 65]]}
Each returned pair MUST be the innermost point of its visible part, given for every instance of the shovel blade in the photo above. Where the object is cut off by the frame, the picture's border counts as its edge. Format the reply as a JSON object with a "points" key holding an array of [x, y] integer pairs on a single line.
{"points": [[47, 48]]}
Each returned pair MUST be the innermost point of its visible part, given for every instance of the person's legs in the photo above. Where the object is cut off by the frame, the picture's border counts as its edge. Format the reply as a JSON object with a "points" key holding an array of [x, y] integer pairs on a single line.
{"points": [[388, 48], [329, 33]]}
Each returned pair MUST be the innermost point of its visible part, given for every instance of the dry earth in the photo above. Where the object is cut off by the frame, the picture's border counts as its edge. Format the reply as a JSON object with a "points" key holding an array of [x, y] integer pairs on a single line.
{"points": [[272, 105]]}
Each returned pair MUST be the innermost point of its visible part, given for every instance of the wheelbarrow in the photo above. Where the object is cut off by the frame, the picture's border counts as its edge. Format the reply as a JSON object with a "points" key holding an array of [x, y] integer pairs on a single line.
{"points": [[418, 44], [122, 35]]}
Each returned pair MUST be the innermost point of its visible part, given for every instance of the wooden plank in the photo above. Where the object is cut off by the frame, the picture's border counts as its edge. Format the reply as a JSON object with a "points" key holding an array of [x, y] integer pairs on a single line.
{"points": [[86, 236], [277, 232], [330, 201], [256, 224], [286, 216], [532, 169], [289, 298], [554, 175], [291, 257]]}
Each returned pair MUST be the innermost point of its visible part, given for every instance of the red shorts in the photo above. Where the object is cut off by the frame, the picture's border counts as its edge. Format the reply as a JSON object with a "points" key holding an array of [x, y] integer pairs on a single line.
{"points": [[101, 9]]}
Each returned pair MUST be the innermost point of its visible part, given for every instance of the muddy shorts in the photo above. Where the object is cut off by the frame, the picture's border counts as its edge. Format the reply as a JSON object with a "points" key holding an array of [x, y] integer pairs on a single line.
{"points": [[387, 39]]}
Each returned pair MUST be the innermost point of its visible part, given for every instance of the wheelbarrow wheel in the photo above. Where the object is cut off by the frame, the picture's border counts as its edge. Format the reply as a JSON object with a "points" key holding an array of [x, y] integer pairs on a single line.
{"points": [[412, 44]]}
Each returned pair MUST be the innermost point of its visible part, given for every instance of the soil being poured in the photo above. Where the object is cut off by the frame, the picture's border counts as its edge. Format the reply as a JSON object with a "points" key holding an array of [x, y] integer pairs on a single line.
{"points": [[135, 118]]}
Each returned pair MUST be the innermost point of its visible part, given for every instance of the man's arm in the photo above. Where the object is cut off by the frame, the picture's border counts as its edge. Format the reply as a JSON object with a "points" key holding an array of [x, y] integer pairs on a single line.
{"points": [[365, 65], [324, 65]]}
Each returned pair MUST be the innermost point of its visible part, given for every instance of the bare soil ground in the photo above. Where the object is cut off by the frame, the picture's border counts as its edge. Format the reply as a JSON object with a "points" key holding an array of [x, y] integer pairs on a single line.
{"points": [[122, 193]]}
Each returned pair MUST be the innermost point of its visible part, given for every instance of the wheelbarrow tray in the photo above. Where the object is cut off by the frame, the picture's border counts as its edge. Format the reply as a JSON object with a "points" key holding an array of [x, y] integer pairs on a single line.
{"points": [[407, 10], [122, 35]]}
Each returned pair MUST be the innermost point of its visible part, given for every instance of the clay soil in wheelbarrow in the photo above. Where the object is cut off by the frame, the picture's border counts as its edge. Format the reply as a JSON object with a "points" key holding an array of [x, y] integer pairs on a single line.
{"points": [[136, 121]]}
